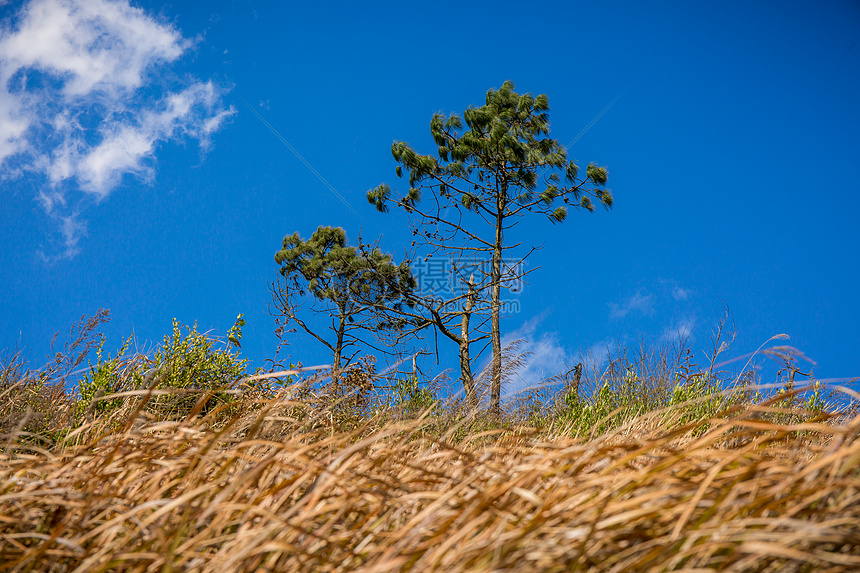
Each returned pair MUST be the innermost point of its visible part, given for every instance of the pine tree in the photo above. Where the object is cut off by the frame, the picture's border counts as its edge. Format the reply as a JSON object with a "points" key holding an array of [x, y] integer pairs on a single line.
{"points": [[482, 180], [344, 282]]}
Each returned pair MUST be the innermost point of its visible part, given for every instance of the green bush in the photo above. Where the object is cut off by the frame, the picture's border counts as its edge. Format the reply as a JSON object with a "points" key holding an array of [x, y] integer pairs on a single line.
{"points": [[621, 399], [191, 364], [411, 397], [194, 366], [580, 415], [700, 398], [110, 376]]}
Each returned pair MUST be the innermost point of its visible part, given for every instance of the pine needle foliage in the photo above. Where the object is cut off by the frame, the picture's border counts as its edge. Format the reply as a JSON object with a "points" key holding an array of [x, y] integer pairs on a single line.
{"points": [[350, 282], [497, 163]]}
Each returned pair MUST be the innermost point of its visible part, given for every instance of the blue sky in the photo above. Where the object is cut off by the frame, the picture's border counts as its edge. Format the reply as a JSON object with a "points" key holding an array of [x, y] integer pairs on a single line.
{"points": [[133, 178]]}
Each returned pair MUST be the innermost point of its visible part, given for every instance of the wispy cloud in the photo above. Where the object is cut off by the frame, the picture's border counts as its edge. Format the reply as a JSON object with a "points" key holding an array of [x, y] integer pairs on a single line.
{"points": [[85, 100], [125, 147], [597, 354], [679, 293], [72, 229], [675, 290], [546, 356], [680, 329], [639, 302]]}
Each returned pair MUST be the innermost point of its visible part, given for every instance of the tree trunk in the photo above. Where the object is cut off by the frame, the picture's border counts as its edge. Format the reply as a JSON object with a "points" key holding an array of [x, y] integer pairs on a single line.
{"points": [[465, 358], [338, 349], [496, 382]]}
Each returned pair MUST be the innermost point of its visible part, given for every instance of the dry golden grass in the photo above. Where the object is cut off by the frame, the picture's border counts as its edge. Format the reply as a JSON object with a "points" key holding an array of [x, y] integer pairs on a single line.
{"points": [[267, 493]]}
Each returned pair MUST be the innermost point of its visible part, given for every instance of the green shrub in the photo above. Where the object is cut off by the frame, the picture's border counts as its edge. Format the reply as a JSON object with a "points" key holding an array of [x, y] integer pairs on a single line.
{"points": [[816, 403], [580, 415], [190, 364], [110, 376], [411, 396], [194, 366], [700, 398]]}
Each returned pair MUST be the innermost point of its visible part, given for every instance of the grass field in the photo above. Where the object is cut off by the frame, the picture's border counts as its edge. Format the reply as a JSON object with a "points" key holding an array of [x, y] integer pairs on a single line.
{"points": [[318, 478]]}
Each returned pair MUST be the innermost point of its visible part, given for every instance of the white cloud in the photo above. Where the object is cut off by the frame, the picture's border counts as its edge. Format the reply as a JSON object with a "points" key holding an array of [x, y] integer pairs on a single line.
{"points": [[73, 229], [680, 329], [675, 290], [84, 98], [125, 146], [679, 293], [642, 303], [103, 45], [13, 124], [546, 357], [597, 354]]}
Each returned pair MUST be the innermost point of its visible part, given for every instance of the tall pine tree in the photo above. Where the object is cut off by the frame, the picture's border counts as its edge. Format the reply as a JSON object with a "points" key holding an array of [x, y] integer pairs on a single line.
{"points": [[482, 180]]}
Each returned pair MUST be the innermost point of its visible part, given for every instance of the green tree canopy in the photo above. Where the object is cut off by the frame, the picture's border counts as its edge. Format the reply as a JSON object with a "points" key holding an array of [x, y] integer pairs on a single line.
{"points": [[346, 283], [483, 177]]}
